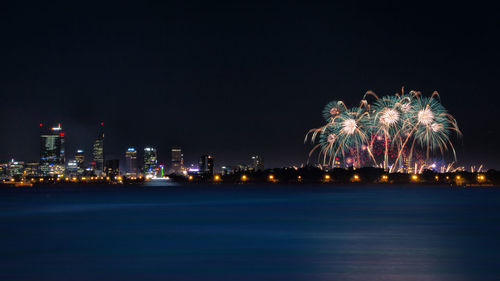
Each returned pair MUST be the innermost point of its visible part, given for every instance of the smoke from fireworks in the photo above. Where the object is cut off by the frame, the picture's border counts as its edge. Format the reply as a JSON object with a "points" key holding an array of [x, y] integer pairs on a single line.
{"points": [[405, 125]]}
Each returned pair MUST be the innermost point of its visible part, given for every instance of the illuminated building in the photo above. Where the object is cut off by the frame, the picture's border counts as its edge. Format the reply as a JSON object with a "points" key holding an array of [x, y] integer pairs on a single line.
{"points": [[258, 163], [72, 168], [206, 165], [15, 168], [112, 168], [98, 153], [161, 171], [80, 158], [227, 170], [3, 169], [51, 150], [31, 169], [243, 168], [177, 161], [150, 161], [131, 162]]}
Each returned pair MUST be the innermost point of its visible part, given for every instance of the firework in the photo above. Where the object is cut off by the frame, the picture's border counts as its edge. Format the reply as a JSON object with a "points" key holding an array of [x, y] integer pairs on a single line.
{"points": [[402, 124], [333, 109]]}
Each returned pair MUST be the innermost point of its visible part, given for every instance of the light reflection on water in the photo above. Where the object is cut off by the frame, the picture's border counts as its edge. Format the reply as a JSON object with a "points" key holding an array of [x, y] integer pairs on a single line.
{"points": [[250, 233]]}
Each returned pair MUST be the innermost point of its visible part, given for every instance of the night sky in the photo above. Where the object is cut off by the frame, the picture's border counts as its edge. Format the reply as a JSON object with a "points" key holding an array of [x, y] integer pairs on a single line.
{"points": [[237, 79]]}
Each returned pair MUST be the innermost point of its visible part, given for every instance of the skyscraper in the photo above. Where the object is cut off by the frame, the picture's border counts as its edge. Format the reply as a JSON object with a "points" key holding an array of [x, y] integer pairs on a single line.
{"points": [[98, 152], [257, 163], [131, 162], [51, 150], [80, 158], [150, 161], [177, 161], [206, 165]]}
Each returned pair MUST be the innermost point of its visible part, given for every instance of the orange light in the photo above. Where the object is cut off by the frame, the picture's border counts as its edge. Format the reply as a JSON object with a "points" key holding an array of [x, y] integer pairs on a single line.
{"points": [[190, 178], [414, 177], [327, 177], [271, 177], [244, 178], [217, 178]]}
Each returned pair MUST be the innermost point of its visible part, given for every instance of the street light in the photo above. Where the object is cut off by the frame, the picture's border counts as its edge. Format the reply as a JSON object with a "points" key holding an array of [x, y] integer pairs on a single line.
{"points": [[327, 177]]}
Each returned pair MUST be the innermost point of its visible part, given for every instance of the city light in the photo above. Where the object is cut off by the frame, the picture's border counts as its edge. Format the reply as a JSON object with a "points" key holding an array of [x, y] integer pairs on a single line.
{"points": [[271, 177], [414, 178], [327, 177], [217, 178], [244, 178]]}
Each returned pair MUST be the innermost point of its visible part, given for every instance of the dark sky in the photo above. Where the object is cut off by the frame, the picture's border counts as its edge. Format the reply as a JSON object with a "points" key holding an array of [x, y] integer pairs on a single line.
{"points": [[237, 79]]}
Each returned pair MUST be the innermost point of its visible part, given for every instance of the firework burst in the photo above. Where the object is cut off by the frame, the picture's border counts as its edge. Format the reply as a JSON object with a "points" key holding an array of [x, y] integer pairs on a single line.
{"points": [[402, 124]]}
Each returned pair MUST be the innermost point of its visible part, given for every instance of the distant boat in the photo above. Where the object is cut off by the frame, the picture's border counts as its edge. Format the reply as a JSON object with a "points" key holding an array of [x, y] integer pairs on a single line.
{"points": [[159, 182]]}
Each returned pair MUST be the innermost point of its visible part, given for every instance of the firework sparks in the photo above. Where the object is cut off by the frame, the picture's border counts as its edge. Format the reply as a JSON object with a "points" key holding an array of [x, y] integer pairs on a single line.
{"points": [[401, 126]]}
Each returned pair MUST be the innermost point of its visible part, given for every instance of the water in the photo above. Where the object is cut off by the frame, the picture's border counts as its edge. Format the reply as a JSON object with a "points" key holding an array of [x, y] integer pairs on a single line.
{"points": [[250, 233]]}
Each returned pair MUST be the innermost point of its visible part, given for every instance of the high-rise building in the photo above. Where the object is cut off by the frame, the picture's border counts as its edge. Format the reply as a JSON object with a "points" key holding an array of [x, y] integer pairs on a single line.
{"points": [[177, 161], [51, 150], [206, 165], [150, 161], [257, 163], [98, 153], [80, 158], [131, 162]]}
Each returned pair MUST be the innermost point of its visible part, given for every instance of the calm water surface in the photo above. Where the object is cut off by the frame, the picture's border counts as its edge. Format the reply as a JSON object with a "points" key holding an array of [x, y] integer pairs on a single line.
{"points": [[250, 233]]}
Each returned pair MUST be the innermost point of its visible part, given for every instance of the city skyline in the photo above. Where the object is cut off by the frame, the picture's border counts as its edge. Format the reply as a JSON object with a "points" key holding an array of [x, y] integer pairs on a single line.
{"points": [[254, 87], [55, 160]]}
